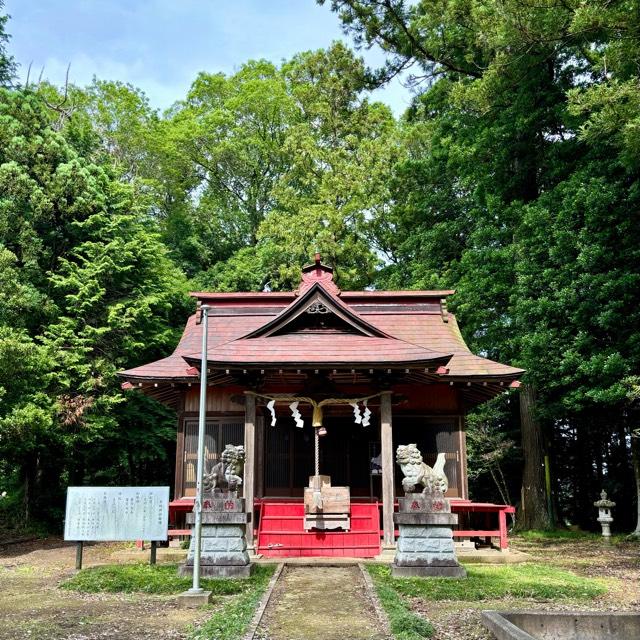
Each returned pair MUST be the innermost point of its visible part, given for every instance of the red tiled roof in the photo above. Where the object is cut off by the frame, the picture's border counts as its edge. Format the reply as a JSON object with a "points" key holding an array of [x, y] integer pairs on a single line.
{"points": [[432, 331], [314, 294], [323, 349], [409, 328]]}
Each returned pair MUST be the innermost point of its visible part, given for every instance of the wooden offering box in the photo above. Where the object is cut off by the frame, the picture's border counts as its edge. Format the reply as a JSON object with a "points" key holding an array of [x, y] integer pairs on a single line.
{"points": [[326, 507]]}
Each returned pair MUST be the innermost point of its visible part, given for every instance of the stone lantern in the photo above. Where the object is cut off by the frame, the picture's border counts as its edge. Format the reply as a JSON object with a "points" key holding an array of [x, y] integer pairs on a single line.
{"points": [[604, 514]]}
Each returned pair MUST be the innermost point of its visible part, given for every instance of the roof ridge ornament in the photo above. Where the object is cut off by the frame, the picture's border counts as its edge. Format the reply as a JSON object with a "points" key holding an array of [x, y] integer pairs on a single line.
{"points": [[317, 273]]}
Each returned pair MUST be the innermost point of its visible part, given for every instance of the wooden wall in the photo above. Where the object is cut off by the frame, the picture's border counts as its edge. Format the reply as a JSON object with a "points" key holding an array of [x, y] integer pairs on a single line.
{"points": [[218, 400]]}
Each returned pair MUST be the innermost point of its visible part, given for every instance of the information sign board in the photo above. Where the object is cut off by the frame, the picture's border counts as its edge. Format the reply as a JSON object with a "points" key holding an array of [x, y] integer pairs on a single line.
{"points": [[117, 513]]}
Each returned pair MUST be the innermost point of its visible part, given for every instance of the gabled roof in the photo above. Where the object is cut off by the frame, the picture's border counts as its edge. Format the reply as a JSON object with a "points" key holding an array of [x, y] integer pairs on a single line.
{"points": [[299, 336], [367, 329], [316, 299]]}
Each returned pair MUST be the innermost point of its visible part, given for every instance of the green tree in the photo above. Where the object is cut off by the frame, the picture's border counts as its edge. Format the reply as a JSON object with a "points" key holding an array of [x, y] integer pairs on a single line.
{"points": [[335, 184], [518, 187], [7, 64], [275, 162], [89, 289]]}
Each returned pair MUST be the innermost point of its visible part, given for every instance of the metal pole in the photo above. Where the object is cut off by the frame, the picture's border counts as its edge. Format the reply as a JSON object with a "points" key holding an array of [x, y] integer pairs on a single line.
{"points": [[152, 557], [197, 546], [79, 546]]}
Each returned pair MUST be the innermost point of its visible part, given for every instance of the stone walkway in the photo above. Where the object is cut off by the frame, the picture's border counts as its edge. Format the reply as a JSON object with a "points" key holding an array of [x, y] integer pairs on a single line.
{"points": [[320, 603]]}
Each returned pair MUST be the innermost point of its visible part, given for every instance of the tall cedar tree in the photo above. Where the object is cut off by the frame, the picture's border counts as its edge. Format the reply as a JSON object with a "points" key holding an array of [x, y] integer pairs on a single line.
{"points": [[88, 289], [520, 189]]}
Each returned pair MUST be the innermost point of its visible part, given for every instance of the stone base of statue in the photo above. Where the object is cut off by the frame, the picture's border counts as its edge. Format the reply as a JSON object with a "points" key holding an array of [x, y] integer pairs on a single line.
{"points": [[425, 545], [223, 552]]}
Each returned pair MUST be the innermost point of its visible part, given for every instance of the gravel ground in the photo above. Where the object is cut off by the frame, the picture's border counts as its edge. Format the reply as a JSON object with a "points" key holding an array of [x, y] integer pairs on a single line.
{"points": [[33, 607]]}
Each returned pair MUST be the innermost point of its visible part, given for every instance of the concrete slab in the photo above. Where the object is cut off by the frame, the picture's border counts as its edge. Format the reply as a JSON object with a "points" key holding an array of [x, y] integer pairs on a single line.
{"points": [[488, 556], [568, 625], [427, 572], [189, 599], [321, 603], [493, 556]]}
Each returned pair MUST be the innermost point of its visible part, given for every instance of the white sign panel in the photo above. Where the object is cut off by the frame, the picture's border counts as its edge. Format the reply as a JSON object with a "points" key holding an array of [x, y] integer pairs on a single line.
{"points": [[117, 513]]}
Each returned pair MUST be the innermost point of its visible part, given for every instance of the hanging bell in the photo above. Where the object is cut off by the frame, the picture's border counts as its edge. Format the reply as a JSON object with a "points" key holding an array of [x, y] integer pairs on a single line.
{"points": [[316, 419]]}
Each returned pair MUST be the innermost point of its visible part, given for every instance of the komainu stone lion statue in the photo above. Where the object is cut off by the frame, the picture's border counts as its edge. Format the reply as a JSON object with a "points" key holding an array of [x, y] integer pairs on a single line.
{"points": [[417, 473], [226, 474]]}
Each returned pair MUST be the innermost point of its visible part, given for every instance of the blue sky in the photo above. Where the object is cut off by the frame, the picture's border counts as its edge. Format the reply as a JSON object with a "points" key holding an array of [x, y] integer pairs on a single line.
{"points": [[160, 45]]}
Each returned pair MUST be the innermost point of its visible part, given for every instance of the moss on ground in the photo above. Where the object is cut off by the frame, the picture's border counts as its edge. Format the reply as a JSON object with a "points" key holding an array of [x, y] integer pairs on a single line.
{"points": [[405, 598], [404, 624], [231, 621]]}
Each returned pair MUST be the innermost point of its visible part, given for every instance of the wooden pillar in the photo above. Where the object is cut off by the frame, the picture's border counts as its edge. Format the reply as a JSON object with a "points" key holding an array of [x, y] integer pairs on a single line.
{"points": [[178, 487], [386, 441], [249, 462], [259, 479], [464, 478]]}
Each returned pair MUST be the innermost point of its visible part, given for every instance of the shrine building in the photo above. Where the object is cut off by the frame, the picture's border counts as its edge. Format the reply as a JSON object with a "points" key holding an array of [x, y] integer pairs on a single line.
{"points": [[324, 381]]}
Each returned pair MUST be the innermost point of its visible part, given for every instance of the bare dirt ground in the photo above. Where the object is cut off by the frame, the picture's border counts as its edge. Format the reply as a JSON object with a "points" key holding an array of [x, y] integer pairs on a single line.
{"points": [[314, 603], [33, 607], [618, 565], [320, 603]]}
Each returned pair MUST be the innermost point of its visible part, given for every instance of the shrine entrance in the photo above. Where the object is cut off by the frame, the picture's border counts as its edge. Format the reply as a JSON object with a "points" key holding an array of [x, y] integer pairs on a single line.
{"points": [[345, 454]]}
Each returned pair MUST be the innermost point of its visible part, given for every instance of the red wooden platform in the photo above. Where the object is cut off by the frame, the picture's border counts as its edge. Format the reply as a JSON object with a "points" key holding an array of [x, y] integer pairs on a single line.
{"points": [[281, 533]]}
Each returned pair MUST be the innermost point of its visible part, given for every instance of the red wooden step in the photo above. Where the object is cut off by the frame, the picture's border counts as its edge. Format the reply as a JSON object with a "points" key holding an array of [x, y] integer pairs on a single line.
{"points": [[281, 533]]}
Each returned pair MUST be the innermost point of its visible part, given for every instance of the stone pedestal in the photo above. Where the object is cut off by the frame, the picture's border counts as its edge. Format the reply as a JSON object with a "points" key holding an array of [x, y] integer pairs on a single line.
{"points": [[223, 551], [190, 599], [425, 545]]}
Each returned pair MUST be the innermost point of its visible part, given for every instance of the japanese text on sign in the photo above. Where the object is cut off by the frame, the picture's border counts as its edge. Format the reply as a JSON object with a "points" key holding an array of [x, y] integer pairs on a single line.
{"points": [[117, 513]]}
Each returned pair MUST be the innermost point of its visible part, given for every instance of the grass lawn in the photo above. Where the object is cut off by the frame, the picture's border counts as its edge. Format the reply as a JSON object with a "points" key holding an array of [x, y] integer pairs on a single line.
{"points": [[404, 624], [560, 535], [483, 583], [490, 582], [234, 600]]}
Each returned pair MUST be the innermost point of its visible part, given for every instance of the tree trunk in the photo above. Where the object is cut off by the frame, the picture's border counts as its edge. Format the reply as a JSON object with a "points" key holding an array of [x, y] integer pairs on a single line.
{"points": [[635, 457], [533, 510]]}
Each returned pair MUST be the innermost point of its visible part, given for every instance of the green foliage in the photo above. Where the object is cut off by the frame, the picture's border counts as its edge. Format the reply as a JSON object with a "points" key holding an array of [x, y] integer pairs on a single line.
{"points": [[7, 65], [518, 186], [491, 450], [161, 578], [253, 172], [490, 582], [89, 289], [513, 177], [404, 624], [28, 413], [230, 623]]}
